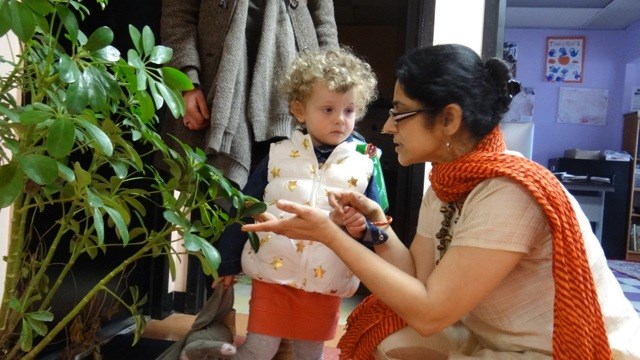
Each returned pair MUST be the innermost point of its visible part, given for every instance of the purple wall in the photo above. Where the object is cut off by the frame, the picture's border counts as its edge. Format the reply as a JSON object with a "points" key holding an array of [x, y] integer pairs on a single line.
{"points": [[610, 62]]}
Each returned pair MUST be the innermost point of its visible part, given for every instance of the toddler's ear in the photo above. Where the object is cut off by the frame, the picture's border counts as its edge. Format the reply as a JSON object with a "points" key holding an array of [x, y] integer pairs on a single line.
{"points": [[297, 110]]}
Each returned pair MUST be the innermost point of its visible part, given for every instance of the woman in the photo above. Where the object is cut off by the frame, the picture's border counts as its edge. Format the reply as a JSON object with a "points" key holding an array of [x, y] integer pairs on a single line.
{"points": [[504, 263]]}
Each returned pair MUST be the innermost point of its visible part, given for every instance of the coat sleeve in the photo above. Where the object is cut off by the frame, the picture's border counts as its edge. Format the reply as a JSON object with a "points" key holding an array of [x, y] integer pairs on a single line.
{"points": [[179, 31], [323, 16]]}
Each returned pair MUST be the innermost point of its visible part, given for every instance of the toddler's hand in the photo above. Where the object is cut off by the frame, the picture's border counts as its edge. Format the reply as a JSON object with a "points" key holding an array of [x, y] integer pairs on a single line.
{"points": [[227, 281], [354, 222]]}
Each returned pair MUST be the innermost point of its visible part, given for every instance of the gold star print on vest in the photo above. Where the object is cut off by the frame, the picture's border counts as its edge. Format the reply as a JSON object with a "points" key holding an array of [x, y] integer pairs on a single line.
{"points": [[292, 284], [292, 185], [305, 143], [312, 170], [352, 182], [265, 239], [276, 263], [294, 154], [300, 246], [275, 172], [319, 272]]}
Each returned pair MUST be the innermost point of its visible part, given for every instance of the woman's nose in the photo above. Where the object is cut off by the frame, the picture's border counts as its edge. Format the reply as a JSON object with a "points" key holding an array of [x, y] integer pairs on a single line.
{"points": [[389, 126]]}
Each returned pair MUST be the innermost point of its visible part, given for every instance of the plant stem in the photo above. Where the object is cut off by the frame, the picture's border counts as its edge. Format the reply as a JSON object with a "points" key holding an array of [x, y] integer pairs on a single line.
{"points": [[63, 274], [86, 299], [14, 262], [44, 264]]}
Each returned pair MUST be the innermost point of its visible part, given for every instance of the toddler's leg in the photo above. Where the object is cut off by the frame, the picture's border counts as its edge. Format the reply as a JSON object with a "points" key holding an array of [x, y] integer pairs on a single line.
{"points": [[308, 350], [258, 347]]}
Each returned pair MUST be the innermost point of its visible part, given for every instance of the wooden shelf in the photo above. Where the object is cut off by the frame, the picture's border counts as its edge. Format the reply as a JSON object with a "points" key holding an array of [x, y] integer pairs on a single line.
{"points": [[633, 256], [630, 144]]}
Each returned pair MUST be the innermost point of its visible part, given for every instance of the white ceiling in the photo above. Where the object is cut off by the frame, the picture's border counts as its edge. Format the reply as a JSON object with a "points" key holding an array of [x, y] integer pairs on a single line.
{"points": [[572, 14], [531, 14]]}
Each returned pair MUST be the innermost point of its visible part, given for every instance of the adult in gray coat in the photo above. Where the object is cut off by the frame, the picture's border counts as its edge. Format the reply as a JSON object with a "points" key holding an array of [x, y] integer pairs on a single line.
{"points": [[233, 51]]}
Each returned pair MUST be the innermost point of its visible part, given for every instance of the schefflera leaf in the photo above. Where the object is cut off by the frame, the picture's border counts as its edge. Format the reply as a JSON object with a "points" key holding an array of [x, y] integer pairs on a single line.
{"points": [[11, 183], [61, 137]]}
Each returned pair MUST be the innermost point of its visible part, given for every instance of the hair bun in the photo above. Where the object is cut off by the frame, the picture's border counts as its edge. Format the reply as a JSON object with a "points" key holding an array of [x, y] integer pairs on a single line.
{"points": [[513, 88]]}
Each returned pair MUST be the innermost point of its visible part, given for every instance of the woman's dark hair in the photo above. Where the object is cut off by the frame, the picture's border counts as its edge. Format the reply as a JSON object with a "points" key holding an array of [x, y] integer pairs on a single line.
{"points": [[441, 75]]}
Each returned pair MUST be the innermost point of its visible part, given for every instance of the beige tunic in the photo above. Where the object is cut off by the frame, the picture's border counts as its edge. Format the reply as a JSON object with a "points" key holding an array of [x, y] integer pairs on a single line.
{"points": [[516, 318]]}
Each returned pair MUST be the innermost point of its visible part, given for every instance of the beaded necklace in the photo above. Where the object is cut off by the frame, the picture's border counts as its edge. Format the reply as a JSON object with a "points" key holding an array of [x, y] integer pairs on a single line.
{"points": [[443, 235]]}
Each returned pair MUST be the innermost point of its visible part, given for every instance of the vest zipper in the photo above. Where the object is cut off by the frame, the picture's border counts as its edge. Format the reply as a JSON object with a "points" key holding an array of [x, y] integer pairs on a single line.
{"points": [[317, 180]]}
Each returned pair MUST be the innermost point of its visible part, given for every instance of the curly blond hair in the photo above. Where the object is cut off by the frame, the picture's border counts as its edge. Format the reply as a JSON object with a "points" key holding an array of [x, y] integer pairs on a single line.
{"points": [[340, 70]]}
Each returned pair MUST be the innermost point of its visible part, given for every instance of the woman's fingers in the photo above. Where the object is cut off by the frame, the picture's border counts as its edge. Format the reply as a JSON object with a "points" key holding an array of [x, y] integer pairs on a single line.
{"points": [[306, 223], [265, 216]]}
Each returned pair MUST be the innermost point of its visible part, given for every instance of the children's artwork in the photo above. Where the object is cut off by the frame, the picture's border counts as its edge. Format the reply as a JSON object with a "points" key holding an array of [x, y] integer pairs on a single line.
{"points": [[521, 107], [510, 56], [583, 106], [565, 58]]}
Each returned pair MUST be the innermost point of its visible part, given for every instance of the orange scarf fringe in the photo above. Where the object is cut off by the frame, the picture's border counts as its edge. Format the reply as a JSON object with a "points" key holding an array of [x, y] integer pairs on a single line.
{"points": [[578, 325]]}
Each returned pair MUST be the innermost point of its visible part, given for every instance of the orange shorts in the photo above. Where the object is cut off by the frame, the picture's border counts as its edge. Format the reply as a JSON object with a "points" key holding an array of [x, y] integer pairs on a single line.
{"points": [[286, 312]]}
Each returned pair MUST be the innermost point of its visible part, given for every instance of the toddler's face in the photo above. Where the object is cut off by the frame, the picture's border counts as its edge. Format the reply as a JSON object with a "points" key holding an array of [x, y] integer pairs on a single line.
{"points": [[328, 116]]}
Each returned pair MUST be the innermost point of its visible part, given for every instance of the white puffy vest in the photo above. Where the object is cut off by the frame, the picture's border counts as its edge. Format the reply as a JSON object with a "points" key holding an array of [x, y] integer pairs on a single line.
{"points": [[294, 174]]}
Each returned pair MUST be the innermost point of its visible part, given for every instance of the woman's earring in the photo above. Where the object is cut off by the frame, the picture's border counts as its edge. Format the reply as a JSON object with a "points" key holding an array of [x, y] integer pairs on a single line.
{"points": [[448, 145]]}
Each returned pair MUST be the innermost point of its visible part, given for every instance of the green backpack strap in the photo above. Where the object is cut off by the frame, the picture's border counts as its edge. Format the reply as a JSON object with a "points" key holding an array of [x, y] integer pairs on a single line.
{"points": [[374, 153]]}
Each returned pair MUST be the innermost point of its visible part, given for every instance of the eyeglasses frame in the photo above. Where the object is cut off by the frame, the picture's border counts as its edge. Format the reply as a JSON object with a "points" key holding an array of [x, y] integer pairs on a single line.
{"points": [[399, 116]]}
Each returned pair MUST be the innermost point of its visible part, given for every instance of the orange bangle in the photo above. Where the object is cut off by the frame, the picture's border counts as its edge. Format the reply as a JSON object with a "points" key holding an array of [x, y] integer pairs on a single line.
{"points": [[388, 221]]}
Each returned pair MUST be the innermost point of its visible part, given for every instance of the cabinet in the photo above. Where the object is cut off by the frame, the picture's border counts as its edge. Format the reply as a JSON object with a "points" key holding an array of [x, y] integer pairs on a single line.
{"points": [[606, 206], [630, 140]]}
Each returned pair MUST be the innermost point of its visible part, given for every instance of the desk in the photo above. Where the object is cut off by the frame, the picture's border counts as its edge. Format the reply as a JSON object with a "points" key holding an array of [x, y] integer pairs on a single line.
{"points": [[590, 196]]}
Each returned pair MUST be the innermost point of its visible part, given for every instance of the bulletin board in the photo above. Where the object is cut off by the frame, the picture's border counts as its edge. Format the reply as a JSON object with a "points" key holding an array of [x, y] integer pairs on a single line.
{"points": [[565, 59]]}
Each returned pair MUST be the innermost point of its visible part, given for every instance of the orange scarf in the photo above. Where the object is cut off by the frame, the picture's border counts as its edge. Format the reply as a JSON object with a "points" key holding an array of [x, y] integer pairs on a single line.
{"points": [[578, 325]]}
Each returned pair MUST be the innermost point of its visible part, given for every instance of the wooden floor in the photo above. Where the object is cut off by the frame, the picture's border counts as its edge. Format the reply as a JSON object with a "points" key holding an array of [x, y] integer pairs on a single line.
{"points": [[177, 325]]}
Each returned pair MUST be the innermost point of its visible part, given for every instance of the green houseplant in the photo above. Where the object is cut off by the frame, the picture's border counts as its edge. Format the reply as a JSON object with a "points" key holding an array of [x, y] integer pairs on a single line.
{"points": [[76, 141]]}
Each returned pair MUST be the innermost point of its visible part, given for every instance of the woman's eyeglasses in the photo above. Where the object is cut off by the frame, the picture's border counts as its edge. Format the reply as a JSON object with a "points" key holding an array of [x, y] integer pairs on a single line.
{"points": [[399, 116]]}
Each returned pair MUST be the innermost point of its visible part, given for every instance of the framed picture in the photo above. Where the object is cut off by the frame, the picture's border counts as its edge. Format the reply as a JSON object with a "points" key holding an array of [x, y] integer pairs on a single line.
{"points": [[565, 59]]}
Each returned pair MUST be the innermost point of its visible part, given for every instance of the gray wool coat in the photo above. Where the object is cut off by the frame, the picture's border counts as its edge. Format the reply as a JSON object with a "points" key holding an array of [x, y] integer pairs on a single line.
{"points": [[210, 40]]}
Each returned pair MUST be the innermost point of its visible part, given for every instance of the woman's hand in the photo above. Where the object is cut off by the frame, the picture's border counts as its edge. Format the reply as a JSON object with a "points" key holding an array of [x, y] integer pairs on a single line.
{"points": [[306, 223], [341, 201]]}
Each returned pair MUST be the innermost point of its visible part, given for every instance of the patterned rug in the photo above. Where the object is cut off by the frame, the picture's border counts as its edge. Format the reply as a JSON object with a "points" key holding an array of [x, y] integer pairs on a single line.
{"points": [[629, 268]]}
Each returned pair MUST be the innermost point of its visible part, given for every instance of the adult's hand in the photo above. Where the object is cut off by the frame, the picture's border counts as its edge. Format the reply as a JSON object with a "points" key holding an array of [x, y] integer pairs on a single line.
{"points": [[344, 200], [196, 116], [307, 223]]}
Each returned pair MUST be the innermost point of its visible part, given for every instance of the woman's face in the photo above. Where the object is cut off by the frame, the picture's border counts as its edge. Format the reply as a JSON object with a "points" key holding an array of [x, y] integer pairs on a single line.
{"points": [[415, 141]]}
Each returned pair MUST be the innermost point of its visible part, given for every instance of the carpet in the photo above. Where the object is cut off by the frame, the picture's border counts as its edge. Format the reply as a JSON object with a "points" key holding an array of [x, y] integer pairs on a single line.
{"points": [[629, 268]]}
